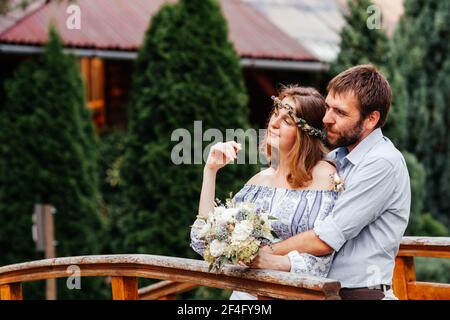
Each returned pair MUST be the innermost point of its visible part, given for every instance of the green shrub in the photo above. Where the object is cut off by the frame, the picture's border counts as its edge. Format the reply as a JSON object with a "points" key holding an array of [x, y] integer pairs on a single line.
{"points": [[48, 154]]}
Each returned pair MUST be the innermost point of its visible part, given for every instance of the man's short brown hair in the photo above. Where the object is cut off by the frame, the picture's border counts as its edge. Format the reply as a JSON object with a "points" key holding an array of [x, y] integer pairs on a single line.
{"points": [[370, 88]]}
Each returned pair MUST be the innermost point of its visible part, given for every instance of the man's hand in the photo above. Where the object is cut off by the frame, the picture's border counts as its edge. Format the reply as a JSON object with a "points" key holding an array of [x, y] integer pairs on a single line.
{"points": [[307, 242]]}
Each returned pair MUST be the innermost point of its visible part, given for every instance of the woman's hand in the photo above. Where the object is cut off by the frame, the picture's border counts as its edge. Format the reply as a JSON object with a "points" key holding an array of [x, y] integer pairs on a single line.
{"points": [[221, 154], [265, 260]]}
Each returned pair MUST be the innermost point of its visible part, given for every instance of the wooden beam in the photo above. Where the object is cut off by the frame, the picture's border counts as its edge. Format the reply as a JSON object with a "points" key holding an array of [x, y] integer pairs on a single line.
{"points": [[85, 66], [50, 252], [124, 288], [428, 291], [422, 251], [11, 291], [164, 289], [404, 272]]}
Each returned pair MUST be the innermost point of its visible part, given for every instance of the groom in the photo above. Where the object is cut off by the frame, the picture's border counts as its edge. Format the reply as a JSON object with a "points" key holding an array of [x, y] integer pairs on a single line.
{"points": [[370, 216]]}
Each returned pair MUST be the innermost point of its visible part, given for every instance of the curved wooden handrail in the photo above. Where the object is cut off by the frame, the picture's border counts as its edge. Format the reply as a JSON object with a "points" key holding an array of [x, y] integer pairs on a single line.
{"points": [[125, 269], [404, 280], [438, 247], [180, 274]]}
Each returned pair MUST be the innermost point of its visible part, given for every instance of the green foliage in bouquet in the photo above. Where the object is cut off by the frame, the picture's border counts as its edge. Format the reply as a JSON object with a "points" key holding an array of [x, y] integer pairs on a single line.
{"points": [[48, 154], [186, 70]]}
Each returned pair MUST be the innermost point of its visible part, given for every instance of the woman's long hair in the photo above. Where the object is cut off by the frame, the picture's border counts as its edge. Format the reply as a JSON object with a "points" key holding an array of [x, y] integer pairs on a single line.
{"points": [[307, 150]]}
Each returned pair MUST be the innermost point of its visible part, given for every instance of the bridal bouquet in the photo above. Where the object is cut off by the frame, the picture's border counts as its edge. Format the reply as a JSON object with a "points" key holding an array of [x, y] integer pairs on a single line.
{"points": [[233, 233]]}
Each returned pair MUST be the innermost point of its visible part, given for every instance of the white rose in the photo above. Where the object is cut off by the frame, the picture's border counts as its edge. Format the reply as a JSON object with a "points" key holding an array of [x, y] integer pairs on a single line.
{"points": [[242, 231], [229, 214], [217, 248], [247, 206], [204, 230], [216, 215], [219, 210]]}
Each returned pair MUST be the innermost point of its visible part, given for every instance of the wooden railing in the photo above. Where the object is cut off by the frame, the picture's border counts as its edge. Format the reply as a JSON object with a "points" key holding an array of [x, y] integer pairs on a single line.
{"points": [[405, 285], [165, 290], [180, 274]]}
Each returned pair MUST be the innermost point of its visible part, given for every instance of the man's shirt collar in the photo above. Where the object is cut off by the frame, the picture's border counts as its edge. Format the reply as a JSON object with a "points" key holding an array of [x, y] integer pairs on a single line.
{"points": [[359, 151]]}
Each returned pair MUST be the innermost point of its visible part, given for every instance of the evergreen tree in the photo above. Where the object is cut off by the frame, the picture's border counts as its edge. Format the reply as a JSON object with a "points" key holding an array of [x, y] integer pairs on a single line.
{"points": [[422, 55], [442, 97], [111, 157], [48, 154], [359, 43], [186, 70], [362, 43], [420, 223]]}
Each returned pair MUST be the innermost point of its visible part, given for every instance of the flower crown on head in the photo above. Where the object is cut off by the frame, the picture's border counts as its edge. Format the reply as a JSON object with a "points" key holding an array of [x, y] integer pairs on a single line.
{"points": [[300, 122]]}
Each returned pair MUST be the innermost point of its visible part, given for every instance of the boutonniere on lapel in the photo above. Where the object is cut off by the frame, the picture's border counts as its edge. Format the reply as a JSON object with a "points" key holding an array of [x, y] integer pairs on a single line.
{"points": [[338, 182]]}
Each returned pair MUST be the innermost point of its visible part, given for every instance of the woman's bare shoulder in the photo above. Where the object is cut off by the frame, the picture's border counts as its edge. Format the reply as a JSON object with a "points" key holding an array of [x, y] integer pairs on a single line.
{"points": [[322, 175], [261, 177]]}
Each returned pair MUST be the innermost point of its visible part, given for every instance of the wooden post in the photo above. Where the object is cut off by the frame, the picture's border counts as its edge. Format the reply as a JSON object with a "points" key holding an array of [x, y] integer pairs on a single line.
{"points": [[404, 272], [11, 291], [49, 248], [124, 288]]}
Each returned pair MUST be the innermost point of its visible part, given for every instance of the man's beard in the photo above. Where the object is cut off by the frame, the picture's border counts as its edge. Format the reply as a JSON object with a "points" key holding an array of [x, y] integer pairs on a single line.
{"points": [[347, 138]]}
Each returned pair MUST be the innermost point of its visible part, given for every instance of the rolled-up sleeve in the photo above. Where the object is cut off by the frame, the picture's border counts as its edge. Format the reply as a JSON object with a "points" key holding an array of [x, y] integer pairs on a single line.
{"points": [[196, 243], [362, 202]]}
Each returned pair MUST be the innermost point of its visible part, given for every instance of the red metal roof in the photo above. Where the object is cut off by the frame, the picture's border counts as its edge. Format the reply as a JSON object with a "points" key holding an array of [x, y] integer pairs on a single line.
{"points": [[16, 12], [121, 25]]}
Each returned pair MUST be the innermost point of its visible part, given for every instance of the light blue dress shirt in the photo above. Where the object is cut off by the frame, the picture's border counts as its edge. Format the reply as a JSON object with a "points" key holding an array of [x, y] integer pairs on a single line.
{"points": [[370, 216]]}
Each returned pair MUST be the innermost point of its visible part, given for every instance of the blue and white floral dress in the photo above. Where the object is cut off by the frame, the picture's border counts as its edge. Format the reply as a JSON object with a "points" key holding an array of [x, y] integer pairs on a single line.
{"points": [[296, 211]]}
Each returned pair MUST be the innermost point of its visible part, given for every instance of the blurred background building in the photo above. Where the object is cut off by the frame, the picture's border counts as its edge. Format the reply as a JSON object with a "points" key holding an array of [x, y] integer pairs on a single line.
{"points": [[279, 42]]}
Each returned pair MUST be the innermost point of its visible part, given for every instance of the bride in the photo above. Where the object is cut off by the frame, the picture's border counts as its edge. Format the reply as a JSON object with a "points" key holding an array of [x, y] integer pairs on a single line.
{"points": [[297, 188]]}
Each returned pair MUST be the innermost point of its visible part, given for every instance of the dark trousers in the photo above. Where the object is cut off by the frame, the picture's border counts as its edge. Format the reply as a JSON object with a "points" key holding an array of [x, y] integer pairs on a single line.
{"points": [[361, 294]]}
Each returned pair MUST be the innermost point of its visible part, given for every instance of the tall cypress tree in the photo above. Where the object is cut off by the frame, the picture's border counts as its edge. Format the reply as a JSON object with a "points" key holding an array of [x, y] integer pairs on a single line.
{"points": [[360, 45], [48, 154], [441, 99], [186, 71], [422, 55]]}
